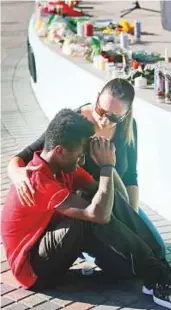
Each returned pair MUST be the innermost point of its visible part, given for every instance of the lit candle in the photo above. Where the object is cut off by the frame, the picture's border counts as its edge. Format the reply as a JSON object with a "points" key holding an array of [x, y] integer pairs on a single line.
{"points": [[166, 55], [80, 29], [140, 82]]}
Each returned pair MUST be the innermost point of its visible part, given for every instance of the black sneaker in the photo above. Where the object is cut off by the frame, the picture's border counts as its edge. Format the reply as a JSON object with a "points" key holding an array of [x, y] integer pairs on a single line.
{"points": [[160, 288], [162, 295], [147, 289]]}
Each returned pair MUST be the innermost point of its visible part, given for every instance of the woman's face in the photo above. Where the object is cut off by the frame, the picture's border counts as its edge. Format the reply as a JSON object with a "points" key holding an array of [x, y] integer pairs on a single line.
{"points": [[110, 104]]}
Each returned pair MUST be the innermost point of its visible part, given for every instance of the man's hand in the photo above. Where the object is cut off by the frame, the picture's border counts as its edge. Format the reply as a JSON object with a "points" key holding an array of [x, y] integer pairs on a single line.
{"points": [[102, 151]]}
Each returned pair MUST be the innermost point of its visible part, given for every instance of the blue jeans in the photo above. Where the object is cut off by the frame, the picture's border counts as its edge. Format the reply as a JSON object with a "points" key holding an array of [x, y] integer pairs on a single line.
{"points": [[154, 230]]}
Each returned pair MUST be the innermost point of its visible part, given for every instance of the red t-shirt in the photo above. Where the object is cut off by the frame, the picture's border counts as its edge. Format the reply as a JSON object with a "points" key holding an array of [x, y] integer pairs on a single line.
{"points": [[22, 225]]}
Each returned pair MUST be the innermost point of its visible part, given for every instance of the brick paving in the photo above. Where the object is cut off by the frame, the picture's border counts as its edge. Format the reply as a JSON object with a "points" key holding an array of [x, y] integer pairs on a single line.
{"points": [[22, 122]]}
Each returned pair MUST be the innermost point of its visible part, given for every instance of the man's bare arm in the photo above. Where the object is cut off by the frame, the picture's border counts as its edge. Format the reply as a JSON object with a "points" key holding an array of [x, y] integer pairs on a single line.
{"points": [[99, 209], [118, 184]]}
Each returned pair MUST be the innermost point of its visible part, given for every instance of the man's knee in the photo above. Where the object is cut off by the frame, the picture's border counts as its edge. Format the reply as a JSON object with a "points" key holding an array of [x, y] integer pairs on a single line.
{"points": [[63, 235]]}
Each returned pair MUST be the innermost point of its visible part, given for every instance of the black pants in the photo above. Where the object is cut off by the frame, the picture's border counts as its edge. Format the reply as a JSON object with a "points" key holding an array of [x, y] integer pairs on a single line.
{"points": [[64, 240]]}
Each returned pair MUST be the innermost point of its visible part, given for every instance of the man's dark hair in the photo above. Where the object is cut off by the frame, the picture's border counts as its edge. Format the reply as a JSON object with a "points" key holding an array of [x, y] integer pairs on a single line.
{"points": [[67, 128]]}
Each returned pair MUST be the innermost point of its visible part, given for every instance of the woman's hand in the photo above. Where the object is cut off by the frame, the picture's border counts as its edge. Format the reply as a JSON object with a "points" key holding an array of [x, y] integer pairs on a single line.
{"points": [[23, 185]]}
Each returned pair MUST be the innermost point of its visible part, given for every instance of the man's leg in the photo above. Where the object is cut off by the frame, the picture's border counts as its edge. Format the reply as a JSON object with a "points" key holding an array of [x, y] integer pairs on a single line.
{"points": [[119, 238], [58, 248], [113, 265], [119, 248], [123, 212], [155, 273]]}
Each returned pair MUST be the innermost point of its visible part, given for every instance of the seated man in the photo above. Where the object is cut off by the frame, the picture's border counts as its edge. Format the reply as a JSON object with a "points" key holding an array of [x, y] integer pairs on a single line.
{"points": [[43, 241]]}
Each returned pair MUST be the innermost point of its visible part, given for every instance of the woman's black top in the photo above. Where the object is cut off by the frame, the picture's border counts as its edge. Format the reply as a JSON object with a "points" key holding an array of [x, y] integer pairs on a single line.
{"points": [[126, 156]]}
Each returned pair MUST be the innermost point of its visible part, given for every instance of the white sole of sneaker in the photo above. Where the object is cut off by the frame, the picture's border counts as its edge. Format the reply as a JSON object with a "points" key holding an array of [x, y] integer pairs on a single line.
{"points": [[162, 303], [146, 291]]}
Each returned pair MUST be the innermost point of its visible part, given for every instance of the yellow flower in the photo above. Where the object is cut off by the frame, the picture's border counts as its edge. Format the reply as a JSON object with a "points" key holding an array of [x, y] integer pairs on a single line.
{"points": [[127, 26]]}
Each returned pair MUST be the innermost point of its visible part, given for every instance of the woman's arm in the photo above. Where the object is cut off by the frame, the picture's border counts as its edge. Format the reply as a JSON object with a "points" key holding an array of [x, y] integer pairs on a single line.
{"points": [[27, 154], [130, 176], [18, 173]]}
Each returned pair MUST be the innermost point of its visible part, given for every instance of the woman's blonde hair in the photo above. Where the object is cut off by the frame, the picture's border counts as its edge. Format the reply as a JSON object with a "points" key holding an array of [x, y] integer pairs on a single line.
{"points": [[123, 90], [126, 128]]}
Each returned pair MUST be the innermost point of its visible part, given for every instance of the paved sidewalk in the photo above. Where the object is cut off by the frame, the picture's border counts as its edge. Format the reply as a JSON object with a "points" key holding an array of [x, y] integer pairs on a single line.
{"points": [[22, 122]]}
